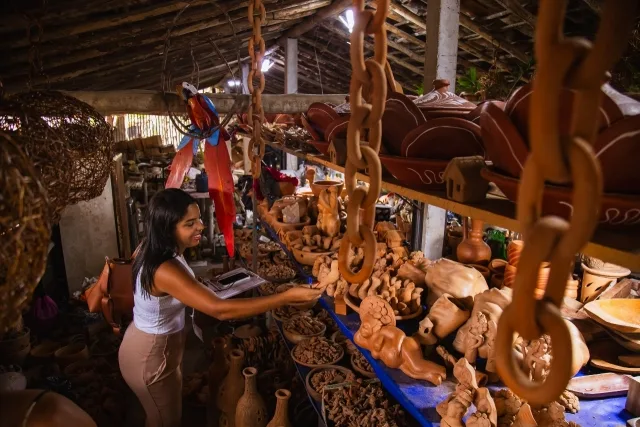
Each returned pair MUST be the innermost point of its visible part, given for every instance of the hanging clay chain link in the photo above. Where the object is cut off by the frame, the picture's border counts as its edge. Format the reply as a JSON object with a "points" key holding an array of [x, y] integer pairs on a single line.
{"points": [[368, 81], [257, 15], [581, 66]]}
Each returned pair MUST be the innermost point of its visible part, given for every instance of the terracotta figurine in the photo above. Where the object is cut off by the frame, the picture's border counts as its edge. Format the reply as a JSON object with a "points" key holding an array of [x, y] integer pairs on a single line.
{"points": [[379, 335], [486, 414], [328, 212]]}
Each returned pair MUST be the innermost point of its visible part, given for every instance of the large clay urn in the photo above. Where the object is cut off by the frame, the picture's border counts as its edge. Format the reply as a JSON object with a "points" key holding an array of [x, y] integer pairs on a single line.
{"points": [[217, 371], [281, 417], [231, 390], [251, 410], [472, 249]]}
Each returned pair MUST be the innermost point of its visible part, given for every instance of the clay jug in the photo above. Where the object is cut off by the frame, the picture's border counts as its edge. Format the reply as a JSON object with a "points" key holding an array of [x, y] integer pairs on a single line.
{"points": [[251, 410], [281, 417], [472, 249], [217, 371], [231, 389]]}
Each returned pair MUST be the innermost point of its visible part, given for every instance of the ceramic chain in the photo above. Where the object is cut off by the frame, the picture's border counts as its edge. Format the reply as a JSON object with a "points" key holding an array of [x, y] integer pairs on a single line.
{"points": [[367, 95], [257, 15], [581, 66]]}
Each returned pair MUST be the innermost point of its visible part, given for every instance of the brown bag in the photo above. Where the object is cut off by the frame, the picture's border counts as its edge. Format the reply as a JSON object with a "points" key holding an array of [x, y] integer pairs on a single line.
{"points": [[112, 294]]}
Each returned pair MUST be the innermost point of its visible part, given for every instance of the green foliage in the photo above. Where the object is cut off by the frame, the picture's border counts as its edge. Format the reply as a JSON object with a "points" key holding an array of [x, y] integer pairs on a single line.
{"points": [[469, 82], [420, 89]]}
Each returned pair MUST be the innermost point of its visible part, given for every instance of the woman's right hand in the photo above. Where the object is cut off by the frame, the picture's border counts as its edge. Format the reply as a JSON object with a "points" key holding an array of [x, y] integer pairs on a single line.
{"points": [[302, 294]]}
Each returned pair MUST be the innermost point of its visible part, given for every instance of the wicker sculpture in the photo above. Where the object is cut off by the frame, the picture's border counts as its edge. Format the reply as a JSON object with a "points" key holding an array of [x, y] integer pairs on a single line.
{"points": [[69, 142], [24, 231]]}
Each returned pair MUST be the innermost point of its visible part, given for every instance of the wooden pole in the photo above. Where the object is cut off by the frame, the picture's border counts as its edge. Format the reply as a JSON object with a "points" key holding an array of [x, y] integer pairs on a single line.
{"points": [[152, 102]]}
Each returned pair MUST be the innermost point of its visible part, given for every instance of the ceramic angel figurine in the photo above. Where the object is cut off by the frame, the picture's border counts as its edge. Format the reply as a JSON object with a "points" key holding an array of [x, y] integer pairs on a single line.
{"points": [[476, 337], [537, 358], [379, 335], [328, 212]]}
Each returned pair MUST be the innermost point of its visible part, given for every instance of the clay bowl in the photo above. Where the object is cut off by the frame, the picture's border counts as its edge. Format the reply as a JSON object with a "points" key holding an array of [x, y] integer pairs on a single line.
{"points": [[311, 365], [362, 372], [291, 236], [321, 146], [355, 305], [618, 211], [418, 174], [497, 266], [608, 355], [318, 186], [295, 337], [348, 346], [283, 226], [314, 394], [71, 353], [621, 315], [308, 258], [312, 131], [443, 139]]}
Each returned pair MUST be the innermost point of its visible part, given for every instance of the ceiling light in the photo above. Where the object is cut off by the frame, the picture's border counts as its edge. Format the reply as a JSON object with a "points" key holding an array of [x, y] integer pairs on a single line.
{"points": [[266, 64], [348, 19], [234, 83]]}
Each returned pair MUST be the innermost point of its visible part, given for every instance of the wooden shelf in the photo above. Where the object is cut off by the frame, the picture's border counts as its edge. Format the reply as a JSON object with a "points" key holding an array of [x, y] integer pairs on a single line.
{"points": [[622, 248]]}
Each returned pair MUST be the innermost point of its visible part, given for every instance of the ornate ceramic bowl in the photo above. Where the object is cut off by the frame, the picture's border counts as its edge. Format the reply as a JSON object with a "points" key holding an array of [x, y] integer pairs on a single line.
{"points": [[418, 174], [617, 210], [443, 139]]}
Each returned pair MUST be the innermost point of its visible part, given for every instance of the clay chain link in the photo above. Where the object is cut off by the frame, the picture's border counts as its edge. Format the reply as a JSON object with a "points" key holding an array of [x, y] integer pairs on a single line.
{"points": [[257, 15], [367, 95], [579, 65]]}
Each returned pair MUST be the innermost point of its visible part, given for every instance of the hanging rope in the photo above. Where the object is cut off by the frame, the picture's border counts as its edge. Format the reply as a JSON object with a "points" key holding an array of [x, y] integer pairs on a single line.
{"points": [[368, 81], [581, 66], [257, 15]]}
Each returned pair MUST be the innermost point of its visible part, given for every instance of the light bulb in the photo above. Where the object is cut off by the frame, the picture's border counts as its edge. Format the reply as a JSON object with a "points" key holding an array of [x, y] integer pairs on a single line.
{"points": [[266, 64]]}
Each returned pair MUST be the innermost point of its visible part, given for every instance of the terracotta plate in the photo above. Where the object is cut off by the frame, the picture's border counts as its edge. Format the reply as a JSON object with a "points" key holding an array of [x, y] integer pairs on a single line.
{"points": [[502, 142], [443, 139], [607, 355], [618, 211], [622, 315], [419, 174], [599, 386]]}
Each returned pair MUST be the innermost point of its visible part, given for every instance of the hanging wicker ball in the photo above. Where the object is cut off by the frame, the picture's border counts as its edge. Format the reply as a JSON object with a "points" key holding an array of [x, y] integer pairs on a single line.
{"points": [[24, 231], [51, 156], [77, 138]]}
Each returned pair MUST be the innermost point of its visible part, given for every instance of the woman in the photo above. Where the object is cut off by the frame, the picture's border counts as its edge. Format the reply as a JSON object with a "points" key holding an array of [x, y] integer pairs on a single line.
{"points": [[151, 351]]}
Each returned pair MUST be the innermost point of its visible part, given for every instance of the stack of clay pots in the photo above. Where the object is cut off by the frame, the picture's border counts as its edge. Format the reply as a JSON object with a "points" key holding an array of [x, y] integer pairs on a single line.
{"points": [[238, 399], [326, 123]]}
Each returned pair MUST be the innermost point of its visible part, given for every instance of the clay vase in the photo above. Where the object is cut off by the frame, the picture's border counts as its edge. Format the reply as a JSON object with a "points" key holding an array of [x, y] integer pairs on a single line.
{"points": [[251, 410], [231, 390], [595, 281], [514, 248], [217, 371], [281, 417], [472, 249]]}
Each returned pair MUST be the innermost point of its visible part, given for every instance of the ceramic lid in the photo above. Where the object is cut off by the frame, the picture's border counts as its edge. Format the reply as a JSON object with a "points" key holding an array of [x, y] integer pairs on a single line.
{"points": [[441, 99]]}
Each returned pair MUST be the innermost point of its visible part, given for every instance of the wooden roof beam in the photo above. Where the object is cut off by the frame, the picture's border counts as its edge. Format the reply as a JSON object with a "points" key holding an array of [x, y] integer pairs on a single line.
{"points": [[497, 41]]}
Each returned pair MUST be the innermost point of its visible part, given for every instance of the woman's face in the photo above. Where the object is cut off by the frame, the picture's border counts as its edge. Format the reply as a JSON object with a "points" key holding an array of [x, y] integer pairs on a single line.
{"points": [[189, 228]]}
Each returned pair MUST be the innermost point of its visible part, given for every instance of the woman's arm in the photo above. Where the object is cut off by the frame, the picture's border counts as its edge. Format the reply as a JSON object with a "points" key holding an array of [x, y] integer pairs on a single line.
{"points": [[172, 279]]}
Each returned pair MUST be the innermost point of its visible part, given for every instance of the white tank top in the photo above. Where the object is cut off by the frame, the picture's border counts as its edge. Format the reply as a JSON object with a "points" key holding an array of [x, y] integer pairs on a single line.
{"points": [[158, 315]]}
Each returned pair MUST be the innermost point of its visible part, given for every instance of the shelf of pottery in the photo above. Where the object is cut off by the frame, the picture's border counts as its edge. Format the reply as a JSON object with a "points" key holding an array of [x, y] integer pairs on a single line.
{"points": [[426, 328], [448, 152]]}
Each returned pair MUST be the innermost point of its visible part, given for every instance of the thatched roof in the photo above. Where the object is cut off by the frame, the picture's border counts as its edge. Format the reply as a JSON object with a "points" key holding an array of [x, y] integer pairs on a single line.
{"points": [[119, 44]]}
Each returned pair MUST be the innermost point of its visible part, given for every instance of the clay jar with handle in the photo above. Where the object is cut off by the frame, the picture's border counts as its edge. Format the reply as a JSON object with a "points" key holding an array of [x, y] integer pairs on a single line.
{"points": [[251, 410], [281, 417], [472, 249], [231, 389]]}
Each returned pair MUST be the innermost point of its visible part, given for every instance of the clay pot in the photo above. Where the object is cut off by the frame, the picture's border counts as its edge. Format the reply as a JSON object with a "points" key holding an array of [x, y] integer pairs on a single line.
{"points": [[596, 281], [320, 115], [318, 186], [247, 331], [418, 174], [312, 131], [15, 350], [447, 315], [231, 390], [497, 266], [497, 281], [45, 351], [472, 249], [442, 103], [503, 143], [281, 416], [337, 129], [251, 410], [71, 353], [308, 258], [514, 248]]}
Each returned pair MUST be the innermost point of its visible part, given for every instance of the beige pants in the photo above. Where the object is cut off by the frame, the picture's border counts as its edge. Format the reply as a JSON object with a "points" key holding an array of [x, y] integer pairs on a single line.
{"points": [[151, 366]]}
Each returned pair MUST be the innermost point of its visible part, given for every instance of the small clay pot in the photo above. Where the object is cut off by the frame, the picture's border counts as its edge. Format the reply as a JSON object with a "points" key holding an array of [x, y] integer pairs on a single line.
{"points": [[312, 392], [295, 337], [318, 186], [45, 351], [497, 266], [514, 248], [496, 281], [71, 353]]}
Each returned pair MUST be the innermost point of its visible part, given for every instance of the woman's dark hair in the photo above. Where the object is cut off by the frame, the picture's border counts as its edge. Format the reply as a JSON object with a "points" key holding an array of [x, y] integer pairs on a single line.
{"points": [[165, 210]]}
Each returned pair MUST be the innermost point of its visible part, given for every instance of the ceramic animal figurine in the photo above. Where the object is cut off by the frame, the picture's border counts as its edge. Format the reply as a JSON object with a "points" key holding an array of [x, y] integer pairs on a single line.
{"points": [[379, 335]]}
